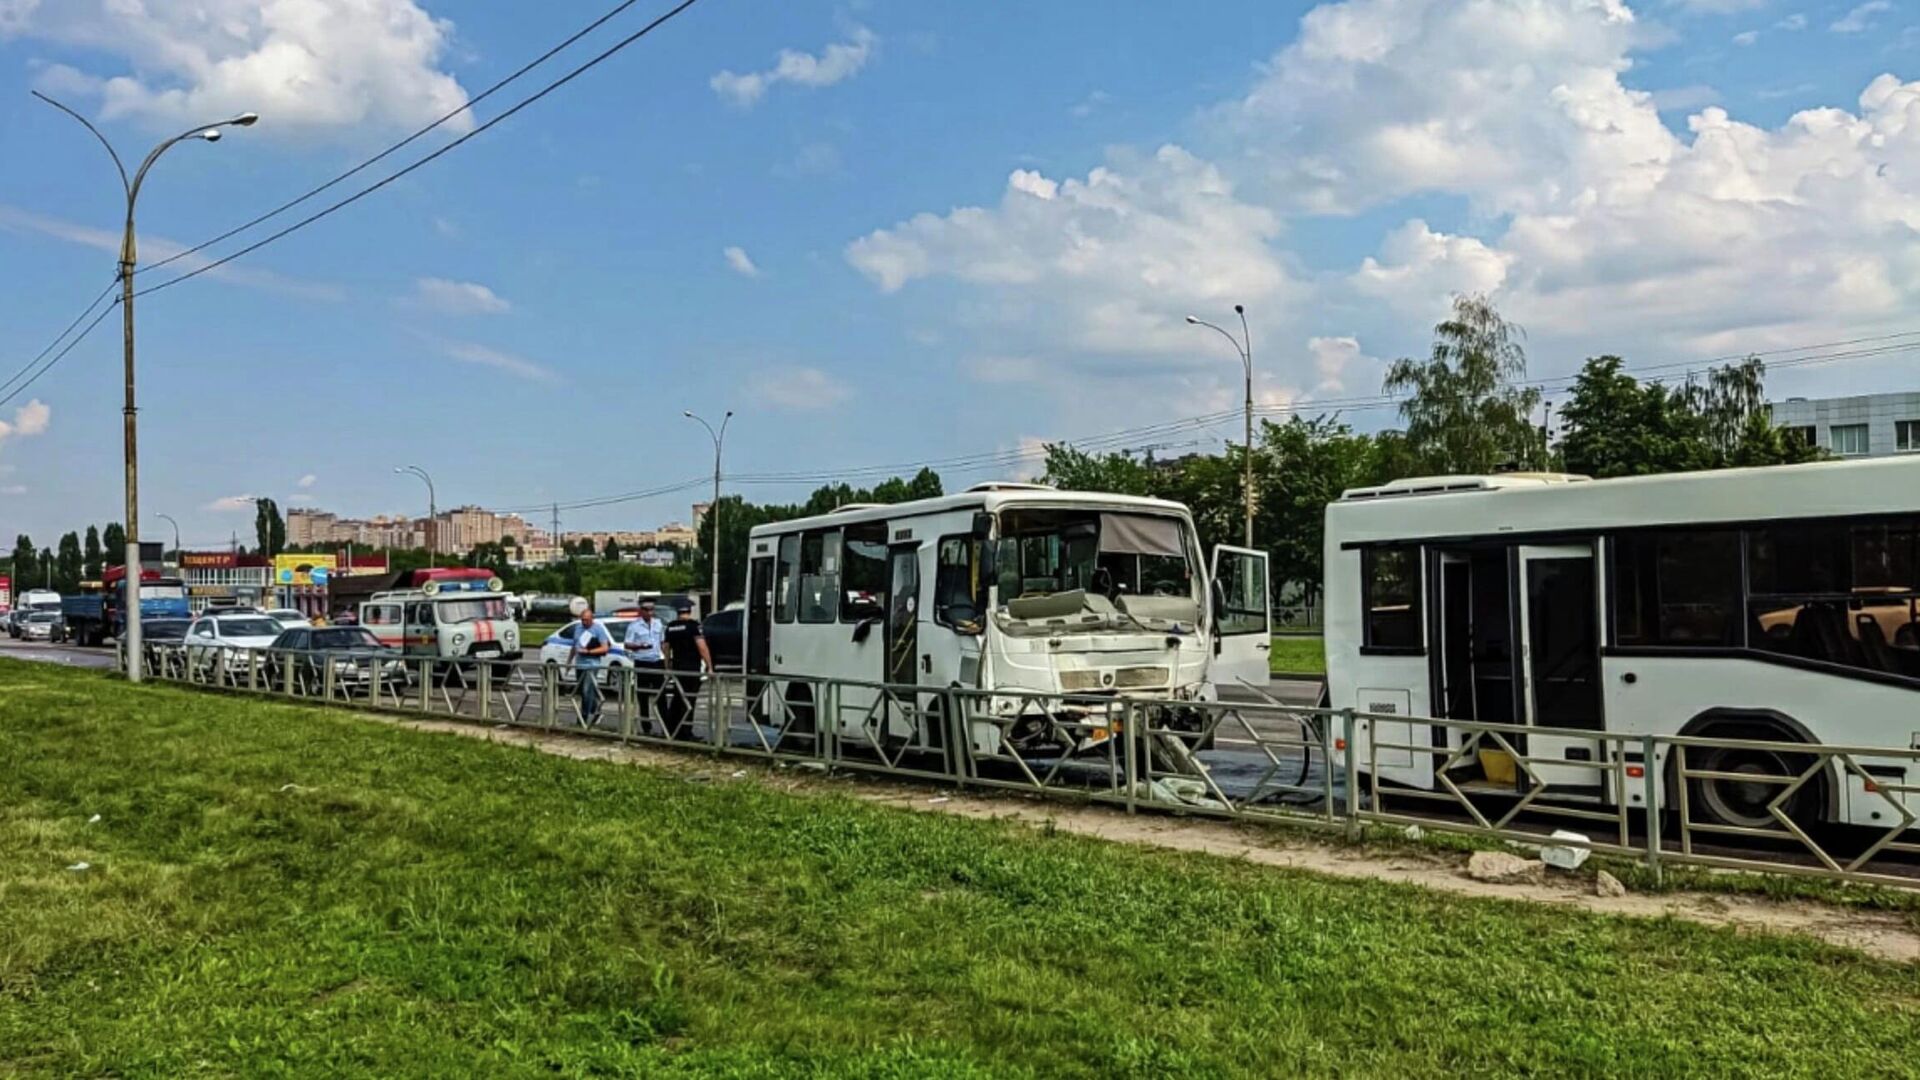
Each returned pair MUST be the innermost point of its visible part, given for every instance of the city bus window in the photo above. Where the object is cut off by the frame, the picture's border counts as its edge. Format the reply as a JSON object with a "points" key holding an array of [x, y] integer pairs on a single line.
{"points": [[819, 576], [865, 571], [959, 594], [1837, 594], [1390, 578], [1677, 588], [783, 579]]}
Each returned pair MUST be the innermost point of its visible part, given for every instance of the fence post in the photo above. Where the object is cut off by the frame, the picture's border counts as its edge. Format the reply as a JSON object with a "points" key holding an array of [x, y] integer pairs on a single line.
{"points": [[1350, 725], [426, 684], [549, 694], [625, 688], [486, 691], [328, 678], [1652, 780], [1130, 716], [959, 750], [829, 732], [286, 674], [720, 709]]}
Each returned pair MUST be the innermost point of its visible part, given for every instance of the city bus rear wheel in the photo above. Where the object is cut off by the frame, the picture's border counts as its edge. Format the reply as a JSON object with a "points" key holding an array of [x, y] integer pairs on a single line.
{"points": [[1747, 803]]}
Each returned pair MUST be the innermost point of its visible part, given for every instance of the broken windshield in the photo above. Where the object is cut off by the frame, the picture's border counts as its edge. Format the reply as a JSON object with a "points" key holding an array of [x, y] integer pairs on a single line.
{"points": [[1109, 554]]}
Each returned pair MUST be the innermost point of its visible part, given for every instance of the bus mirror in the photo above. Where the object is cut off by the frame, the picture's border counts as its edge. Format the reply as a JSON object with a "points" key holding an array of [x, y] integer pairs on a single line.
{"points": [[1219, 603], [989, 560], [982, 525]]}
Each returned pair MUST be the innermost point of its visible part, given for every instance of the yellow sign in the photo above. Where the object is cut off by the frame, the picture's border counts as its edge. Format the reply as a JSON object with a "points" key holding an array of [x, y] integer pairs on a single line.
{"points": [[305, 570]]}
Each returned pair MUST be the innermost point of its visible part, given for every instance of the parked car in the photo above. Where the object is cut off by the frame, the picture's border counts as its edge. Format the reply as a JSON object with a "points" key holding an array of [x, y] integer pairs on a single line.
{"points": [[725, 639], [357, 658], [289, 618], [557, 650], [157, 635], [43, 626], [228, 636]]}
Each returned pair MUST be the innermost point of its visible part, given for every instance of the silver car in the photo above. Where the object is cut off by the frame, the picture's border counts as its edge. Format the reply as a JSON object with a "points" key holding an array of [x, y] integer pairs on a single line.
{"points": [[42, 626]]}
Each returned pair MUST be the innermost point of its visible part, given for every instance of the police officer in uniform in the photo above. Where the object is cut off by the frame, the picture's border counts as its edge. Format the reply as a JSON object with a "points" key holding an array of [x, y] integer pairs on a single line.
{"points": [[687, 659], [645, 640]]}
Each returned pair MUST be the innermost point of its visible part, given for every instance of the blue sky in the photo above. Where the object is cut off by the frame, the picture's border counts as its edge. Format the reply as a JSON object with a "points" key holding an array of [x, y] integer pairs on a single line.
{"points": [[955, 231]]}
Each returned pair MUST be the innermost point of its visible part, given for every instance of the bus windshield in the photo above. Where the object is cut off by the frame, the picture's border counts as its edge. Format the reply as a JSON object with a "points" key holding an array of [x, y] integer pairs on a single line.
{"points": [[1105, 553]]}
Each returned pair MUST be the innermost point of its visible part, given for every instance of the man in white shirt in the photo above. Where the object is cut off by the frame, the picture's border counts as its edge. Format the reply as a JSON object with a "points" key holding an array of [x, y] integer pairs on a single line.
{"points": [[644, 640], [591, 644]]}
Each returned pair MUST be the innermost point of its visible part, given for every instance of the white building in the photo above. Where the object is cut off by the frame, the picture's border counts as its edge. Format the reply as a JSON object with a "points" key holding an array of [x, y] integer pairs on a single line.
{"points": [[1870, 425]]}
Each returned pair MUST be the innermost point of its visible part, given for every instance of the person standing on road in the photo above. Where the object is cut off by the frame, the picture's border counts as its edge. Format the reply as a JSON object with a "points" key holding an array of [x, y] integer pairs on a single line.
{"points": [[645, 640], [688, 659], [591, 644]]}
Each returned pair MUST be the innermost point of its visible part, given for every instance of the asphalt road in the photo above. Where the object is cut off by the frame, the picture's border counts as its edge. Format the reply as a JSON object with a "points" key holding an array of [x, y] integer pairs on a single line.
{"points": [[43, 652]]}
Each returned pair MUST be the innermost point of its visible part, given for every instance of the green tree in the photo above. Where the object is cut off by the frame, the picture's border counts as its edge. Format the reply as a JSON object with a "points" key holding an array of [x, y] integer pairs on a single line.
{"points": [[70, 565], [94, 562], [113, 539], [491, 556], [611, 552], [1464, 412], [1618, 426], [269, 529], [1305, 464], [43, 575], [1070, 469], [25, 564]]}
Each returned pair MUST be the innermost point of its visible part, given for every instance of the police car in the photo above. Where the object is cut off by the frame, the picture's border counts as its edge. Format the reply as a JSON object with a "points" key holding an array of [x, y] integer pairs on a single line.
{"points": [[449, 614]]}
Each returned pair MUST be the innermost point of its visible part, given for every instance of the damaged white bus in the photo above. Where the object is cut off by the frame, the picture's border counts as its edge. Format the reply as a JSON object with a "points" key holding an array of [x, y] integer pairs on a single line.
{"points": [[1003, 587]]}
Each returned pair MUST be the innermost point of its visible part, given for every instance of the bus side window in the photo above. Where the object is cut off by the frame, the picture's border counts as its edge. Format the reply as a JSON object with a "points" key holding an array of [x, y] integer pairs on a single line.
{"points": [[1390, 584], [783, 581], [819, 576], [959, 594]]}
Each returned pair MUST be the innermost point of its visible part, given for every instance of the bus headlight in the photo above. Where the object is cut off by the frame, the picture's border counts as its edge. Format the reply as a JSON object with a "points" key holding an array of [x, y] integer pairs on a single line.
{"points": [[459, 640]]}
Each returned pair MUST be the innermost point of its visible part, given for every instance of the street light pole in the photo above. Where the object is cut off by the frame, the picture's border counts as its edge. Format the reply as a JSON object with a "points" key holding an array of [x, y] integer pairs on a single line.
{"points": [[713, 510], [168, 518], [1243, 346], [433, 510], [128, 257]]}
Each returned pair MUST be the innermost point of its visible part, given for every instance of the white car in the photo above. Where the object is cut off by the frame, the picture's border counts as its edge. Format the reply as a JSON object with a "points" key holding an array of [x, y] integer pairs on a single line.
{"points": [[557, 649], [232, 636], [289, 619]]}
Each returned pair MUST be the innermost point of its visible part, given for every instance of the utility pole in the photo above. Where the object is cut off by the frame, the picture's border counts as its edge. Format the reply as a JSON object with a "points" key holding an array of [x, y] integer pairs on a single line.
{"points": [[128, 258], [433, 513], [1243, 345], [713, 509]]}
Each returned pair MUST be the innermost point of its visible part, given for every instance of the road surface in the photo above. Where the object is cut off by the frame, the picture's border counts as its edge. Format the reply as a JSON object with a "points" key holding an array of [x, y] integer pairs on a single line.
{"points": [[71, 655]]}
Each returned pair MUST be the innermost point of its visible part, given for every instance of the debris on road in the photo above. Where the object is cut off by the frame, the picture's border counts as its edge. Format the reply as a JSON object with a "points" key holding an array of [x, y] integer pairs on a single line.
{"points": [[937, 800], [1414, 832], [94, 820], [1501, 868], [1569, 853], [81, 866], [1605, 884]]}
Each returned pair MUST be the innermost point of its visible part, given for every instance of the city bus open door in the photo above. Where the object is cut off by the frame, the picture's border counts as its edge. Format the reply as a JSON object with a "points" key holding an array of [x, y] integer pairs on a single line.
{"points": [[1242, 624], [1559, 621]]}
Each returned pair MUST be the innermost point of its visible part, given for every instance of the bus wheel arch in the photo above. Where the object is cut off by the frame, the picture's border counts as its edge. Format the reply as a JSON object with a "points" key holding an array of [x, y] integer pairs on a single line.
{"points": [[1733, 803]]}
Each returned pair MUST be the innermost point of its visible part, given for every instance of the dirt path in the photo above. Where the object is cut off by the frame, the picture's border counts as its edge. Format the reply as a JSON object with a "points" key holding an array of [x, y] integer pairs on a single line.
{"points": [[1887, 935]]}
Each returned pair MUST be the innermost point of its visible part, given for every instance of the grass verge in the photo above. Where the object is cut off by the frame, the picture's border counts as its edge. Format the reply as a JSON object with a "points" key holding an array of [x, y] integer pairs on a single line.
{"points": [[1298, 654], [280, 889]]}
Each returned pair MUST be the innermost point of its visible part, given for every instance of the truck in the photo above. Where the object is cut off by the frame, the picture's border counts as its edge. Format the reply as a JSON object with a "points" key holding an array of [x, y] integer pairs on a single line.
{"points": [[96, 613]]}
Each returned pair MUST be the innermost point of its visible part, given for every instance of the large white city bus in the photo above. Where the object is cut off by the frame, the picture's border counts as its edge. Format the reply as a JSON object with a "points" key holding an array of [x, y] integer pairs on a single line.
{"points": [[1003, 587], [1775, 603]]}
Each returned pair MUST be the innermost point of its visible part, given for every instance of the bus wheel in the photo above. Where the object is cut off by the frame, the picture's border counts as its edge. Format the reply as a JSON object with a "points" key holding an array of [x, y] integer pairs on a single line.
{"points": [[1745, 803]]}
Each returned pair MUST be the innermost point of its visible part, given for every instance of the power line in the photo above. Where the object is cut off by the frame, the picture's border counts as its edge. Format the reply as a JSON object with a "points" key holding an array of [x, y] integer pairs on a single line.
{"points": [[402, 144], [55, 343], [61, 355], [436, 155]]}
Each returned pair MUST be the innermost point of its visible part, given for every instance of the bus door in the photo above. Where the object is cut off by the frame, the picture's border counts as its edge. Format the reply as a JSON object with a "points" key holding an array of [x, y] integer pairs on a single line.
{"points": [[903, 631], [1559, 656], [1242, 628], [759, 644]]}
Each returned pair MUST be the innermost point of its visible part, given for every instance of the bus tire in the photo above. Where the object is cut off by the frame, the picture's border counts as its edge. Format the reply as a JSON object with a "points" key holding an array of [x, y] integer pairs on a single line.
{"points": [[1745, 805]]}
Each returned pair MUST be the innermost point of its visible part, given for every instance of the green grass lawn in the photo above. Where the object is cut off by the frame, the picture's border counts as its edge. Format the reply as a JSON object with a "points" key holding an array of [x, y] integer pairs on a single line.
{"points": [[1298, 654], [283, 890]]}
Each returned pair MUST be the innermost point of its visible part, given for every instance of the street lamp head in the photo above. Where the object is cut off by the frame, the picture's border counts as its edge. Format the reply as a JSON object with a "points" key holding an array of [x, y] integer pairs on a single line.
{"points": [[1192, 321], [1239, 309], [688, 413], [729, 413], [211, 135], [245, 119]]}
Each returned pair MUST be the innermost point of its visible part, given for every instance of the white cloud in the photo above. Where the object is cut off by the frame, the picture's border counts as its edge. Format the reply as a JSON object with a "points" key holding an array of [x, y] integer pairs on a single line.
{"points": [[740, 263], [303, 65], [155, 248], [1338, 361], [29, 420], [228, 504], [836, 63], [800, 389], [1860, 18], [1795, 21], [307, 481], [1090, 104], [1116, 259], [458, 297], [467, 352], [14, 489], [1746, 38], [1003, 369], [1716, 7]]}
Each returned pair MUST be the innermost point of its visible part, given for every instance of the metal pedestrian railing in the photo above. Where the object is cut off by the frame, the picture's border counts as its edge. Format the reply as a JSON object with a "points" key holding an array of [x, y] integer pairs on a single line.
{"points": [[1732, 803]]}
